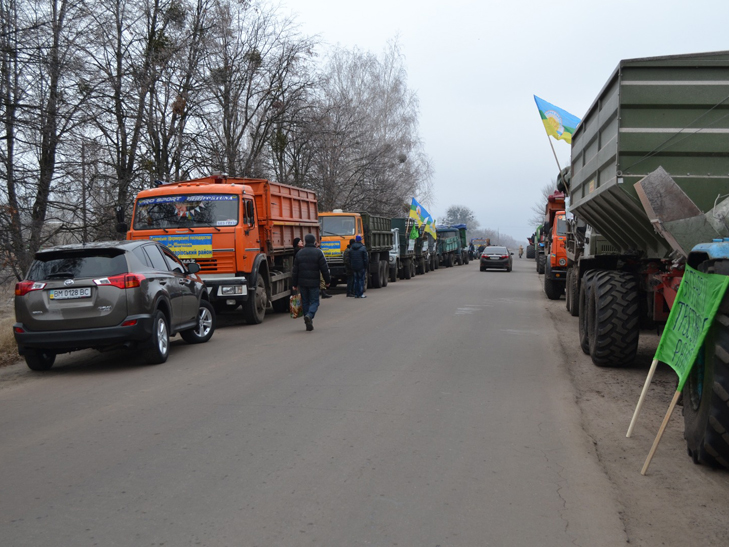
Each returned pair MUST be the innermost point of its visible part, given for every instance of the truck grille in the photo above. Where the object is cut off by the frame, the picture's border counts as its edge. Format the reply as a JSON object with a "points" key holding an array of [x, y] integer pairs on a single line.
{"points": [[220, 263]]}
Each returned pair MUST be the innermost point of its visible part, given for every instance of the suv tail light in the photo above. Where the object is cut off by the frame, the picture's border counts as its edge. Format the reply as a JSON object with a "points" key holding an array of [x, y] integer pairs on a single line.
{"points": [[24, 287], [123, 281]]}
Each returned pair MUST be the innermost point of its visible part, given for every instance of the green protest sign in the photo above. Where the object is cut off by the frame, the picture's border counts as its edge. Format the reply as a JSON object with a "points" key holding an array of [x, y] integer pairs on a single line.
{"points": [[691, 316]]}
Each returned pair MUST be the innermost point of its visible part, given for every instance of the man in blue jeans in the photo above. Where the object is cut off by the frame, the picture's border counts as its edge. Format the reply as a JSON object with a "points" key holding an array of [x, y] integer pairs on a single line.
{"points": [[308, 264], [359, 261]]}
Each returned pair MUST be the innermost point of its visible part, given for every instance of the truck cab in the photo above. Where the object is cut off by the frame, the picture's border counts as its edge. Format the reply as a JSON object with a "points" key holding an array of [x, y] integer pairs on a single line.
{"points": [[239, 231]]}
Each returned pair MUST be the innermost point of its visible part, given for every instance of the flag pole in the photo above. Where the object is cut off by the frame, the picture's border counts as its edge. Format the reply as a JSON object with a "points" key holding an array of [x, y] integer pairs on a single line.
{"points": [[555, 154], [660, 432], [641, 399]]}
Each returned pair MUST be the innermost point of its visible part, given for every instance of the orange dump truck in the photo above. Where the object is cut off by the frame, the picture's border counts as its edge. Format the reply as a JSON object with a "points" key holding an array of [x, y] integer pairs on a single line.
{"points": [[240, 231], [555, 254]]}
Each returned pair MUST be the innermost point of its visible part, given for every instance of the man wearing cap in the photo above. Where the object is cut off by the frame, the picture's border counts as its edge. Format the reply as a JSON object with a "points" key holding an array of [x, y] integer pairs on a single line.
{"points": [[308, 264], [359, 261]]}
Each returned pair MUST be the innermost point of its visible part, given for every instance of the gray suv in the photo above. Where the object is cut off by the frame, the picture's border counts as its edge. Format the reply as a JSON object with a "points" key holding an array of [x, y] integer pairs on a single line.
{"points": [[133, 294]]}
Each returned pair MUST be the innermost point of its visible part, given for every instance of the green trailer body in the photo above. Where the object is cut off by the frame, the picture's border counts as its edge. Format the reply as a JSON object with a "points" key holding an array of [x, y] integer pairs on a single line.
{"points": [[406, 263], [407, 245], [378, 237], [668, 112]]}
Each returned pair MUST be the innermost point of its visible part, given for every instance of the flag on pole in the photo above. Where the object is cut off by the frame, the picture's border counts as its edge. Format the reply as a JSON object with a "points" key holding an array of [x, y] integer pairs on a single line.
{"points": [[422, 216], [417, 212], [693, 311], [558, 123], [430, 227]]}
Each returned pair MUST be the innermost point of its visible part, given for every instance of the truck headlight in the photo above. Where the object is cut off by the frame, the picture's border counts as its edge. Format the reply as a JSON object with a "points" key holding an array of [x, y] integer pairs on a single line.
{"points": [[231, 290]]}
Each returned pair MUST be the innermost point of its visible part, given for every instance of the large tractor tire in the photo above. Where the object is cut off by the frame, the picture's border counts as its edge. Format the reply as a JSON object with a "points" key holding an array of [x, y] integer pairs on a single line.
{"points": [[613, 319], [706, 392], [571, 294], [541, 263], [582, 300], [553, 288], [530, 251]]}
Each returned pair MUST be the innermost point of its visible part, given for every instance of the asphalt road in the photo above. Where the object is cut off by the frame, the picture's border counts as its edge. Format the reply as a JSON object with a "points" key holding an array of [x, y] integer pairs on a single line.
{"points": [[436, 412]]}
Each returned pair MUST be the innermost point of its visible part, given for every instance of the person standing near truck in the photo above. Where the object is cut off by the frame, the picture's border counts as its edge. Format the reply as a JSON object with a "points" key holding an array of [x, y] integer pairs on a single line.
{"points": [[348, 268], [359, 261], [309, 264]]}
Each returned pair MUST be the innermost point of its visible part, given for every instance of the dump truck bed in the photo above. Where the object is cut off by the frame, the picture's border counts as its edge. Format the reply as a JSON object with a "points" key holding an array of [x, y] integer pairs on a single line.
{"points": [[668, 112]]}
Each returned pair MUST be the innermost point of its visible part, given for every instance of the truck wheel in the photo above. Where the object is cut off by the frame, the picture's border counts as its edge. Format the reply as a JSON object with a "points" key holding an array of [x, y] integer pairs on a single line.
{"points": [[384, 266], [530, 251], [376, 277], [39, 359], [205, 327], [705, 394], [393, 274], [541, 262], [552, 288], [406, 272], [412, 268], [465, 258], [614, 311], [160, 341], [571, 294], [582, 300], [254, 309], [420, 267]]}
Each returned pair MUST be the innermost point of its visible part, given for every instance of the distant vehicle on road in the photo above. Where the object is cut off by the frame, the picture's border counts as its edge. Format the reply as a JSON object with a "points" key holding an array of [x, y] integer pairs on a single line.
{"points": [[133, 294], [496, 257]]}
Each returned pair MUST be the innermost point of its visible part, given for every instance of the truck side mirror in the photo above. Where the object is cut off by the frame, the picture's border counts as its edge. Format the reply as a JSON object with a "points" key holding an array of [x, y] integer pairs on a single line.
{"points": [[250, 212]]}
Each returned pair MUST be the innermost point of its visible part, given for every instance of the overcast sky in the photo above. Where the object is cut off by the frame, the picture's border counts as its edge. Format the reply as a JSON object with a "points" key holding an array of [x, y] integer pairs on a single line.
{"points": [[475, 66]]}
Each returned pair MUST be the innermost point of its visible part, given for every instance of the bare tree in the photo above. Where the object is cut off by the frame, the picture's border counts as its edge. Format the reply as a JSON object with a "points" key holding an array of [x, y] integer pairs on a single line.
{"points": [[367, 154], [255, 69], [42, 102], [460, 214], [538, 207]]}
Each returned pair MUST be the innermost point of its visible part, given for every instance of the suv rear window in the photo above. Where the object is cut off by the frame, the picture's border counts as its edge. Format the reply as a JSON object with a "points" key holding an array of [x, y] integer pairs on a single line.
{"points": [[78, 264]]}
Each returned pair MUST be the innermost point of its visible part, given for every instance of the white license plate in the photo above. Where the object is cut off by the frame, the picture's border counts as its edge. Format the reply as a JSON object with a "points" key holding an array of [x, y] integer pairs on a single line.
{"points": [[67, 294]]}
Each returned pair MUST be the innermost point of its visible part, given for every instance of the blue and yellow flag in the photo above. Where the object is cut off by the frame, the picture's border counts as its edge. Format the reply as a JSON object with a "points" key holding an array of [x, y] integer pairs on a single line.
{"points": [[417, 212], [430, 227], [422, 216], [558, 123]]}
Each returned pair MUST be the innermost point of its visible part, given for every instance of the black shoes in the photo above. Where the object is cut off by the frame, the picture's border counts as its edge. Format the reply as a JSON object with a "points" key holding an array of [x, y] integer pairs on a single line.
{"points": [[309, 323], [325, 295]]}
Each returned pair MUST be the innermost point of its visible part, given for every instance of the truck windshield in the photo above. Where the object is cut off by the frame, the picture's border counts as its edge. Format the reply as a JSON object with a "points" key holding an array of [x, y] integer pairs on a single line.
{"points": [[186, 211], [337, 226], [561, 226]]}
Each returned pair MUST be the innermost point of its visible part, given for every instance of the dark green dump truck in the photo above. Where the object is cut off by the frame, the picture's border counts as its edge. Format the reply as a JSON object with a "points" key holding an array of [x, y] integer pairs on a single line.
{"points": [[650, 173], [406, 263], [448, 245]]}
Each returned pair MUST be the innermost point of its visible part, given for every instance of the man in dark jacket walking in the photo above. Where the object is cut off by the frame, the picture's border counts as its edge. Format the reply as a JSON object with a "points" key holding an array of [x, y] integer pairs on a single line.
{"points": [[308, 264], [359, 261]]}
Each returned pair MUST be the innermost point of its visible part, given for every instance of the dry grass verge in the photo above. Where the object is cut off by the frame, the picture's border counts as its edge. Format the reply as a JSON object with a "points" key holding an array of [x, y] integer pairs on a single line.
{"points": [[8, 348]]}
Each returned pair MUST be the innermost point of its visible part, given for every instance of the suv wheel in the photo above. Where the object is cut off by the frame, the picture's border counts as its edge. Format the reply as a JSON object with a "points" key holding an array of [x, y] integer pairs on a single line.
{"points": [[205, 327], [39, 359], [160, 340]]}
